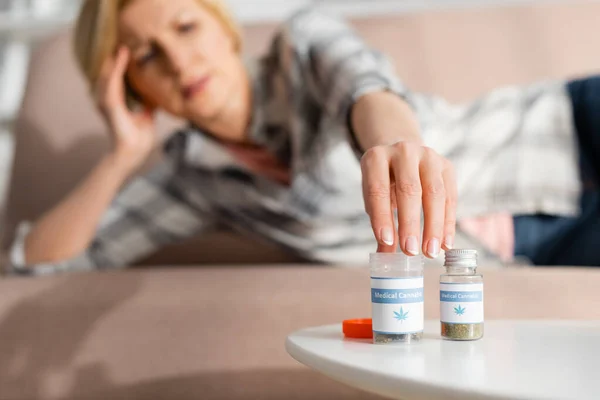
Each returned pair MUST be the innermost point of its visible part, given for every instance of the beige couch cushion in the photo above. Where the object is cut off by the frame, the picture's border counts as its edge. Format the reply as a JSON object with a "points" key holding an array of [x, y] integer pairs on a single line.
{"points": [[459, 54], [217, 333]]}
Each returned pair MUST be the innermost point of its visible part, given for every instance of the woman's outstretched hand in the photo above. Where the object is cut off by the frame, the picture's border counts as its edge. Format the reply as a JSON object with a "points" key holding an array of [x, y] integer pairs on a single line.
{"points": [[133, 133], [406, 176]]}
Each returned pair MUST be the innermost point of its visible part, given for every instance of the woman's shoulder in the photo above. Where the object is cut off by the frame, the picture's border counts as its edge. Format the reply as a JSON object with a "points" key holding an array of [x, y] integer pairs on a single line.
{"points": [[310, 22], [306, 16]]}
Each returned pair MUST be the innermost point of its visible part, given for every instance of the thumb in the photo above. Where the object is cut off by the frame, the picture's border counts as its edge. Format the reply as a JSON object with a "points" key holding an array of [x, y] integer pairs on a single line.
{"points": [[383, 248]]}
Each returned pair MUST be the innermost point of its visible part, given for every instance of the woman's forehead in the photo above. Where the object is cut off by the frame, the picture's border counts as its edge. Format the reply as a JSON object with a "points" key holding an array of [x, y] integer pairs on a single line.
{"points": [[141, 18]]}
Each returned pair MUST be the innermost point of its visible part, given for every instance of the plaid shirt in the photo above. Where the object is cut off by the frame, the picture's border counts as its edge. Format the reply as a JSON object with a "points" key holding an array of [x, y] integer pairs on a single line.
{"points": [[514, 150]]}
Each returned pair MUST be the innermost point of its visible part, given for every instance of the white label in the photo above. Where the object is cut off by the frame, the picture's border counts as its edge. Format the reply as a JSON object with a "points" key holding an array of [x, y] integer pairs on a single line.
{"points": [[397, 305], [461, 303]]}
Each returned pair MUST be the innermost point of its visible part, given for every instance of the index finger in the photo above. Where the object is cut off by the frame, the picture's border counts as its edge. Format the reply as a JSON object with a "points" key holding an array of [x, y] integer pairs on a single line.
{"points": [[115, 84]]}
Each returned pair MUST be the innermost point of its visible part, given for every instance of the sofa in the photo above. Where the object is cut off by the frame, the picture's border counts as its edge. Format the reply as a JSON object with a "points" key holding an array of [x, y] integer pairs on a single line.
{"points": [[157, 331], [218, 333]]}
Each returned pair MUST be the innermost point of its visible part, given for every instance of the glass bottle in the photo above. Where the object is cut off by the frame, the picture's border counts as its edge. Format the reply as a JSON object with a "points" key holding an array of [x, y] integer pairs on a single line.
{"points": [[396, 297], [461, 297]]}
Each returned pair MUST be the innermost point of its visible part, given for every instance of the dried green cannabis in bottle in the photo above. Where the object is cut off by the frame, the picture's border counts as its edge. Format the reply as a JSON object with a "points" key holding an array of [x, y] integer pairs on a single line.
{"points": [[461, 297], [462, 331], [396, 297]]}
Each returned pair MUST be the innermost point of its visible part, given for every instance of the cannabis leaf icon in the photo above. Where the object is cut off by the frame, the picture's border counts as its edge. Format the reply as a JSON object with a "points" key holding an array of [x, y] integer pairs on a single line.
{"points": [[459, 310], [401, 316]]}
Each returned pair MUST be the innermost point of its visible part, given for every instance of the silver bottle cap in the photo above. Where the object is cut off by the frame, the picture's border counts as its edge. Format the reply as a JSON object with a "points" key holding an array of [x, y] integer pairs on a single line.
{"points": [[461, 258]]}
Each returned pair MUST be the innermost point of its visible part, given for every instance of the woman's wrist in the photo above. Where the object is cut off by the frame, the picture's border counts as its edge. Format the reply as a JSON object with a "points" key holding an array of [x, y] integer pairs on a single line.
{"points": [[119, 165], [383, 118]]}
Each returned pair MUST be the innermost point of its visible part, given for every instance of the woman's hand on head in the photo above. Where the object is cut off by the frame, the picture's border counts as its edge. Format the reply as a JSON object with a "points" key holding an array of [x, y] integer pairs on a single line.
{"points": [[407, 176], [133, 133]]}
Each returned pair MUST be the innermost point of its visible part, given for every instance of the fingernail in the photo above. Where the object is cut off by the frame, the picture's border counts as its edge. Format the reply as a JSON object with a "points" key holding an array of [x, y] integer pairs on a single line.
{"points": [[412, 245], [449, 242], [387, 236], [433, 247]]}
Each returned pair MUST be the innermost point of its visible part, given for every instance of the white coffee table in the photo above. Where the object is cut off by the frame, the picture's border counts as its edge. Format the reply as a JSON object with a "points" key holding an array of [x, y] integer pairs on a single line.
{"points": [[515, 360]]}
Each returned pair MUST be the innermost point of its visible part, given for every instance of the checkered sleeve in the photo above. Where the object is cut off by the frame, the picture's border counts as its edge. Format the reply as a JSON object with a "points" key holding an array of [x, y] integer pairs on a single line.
{"points": [[151, 211], [335, 63]]}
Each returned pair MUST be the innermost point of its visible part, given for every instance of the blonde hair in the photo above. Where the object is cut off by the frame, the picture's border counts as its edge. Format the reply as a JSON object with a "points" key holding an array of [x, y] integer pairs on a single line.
{"points": [[96, 31]]}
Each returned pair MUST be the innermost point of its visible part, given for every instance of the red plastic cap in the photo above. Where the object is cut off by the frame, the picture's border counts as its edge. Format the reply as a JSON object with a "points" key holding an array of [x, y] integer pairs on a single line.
{"points": [[358, 328]]}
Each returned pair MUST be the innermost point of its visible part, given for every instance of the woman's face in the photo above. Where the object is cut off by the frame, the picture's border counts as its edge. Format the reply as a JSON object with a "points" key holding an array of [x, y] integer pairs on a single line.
{"points": [[182, 58]]}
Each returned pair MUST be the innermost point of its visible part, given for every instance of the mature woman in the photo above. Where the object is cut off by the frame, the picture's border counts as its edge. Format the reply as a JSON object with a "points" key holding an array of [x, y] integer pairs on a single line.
{"points": [[289, 146]]}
